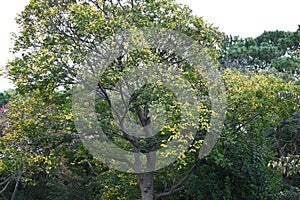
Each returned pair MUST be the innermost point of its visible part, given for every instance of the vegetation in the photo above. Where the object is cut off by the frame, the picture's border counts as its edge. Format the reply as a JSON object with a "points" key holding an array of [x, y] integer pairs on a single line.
{"points": [[42, 155]]}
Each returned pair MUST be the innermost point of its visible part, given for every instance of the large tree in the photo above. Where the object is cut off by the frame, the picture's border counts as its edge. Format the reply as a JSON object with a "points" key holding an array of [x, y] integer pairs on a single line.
{"points": [[57, 36]]}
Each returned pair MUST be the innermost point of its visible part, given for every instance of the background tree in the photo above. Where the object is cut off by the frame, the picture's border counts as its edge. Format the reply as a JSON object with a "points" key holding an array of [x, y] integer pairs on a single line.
{"points": [[41, 157], [273, 52], [272, 49], [238, 168]]}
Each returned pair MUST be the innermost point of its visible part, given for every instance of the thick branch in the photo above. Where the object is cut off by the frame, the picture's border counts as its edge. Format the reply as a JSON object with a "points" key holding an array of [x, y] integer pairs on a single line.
{"points": [[103, 93]]}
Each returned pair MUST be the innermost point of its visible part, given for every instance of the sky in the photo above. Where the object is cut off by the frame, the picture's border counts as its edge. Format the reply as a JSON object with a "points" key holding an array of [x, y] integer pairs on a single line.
{"points": [[245, 18]]}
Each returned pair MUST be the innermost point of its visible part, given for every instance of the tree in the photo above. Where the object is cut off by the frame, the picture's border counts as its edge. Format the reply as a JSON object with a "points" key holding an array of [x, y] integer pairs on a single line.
{"points": [[272, 49], [286, 142], [277, 53], [57, 36], [39, 151], [238, 168], [26, 150]]}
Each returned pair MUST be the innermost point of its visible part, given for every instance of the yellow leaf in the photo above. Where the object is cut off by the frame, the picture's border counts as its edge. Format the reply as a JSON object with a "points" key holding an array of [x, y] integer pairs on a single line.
{"points": [[163, 145], [69, 116]]}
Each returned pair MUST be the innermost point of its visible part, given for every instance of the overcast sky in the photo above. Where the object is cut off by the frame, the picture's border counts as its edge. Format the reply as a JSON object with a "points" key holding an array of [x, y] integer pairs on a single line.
{"points": [[236, 17]]}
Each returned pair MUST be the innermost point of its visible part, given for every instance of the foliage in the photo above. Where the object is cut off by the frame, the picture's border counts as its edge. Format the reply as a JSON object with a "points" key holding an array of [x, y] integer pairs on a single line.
{"points": [[4, 98], [59, 34], [40, 151], [40, 144], [238, 166], [3, 118], [272, 49], [292, 193], [55, 38]]}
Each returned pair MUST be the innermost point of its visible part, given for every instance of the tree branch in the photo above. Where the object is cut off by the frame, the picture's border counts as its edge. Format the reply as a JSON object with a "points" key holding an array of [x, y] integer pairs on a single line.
{"points": [[13, 196], [99, 7], [252, 117], [176, 187], [169, 192], [8, 180], [91, 167], [120, 4]]}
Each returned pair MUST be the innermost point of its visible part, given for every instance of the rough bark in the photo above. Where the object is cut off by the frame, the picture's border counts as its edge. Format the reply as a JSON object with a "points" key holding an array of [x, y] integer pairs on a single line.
{"points": [[146, 181]]}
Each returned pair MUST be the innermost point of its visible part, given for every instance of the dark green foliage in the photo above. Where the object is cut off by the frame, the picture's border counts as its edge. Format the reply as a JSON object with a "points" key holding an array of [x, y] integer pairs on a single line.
{"points": [[4, 98], [287, 135], [235, 170], [288, 194], [275, 49]]}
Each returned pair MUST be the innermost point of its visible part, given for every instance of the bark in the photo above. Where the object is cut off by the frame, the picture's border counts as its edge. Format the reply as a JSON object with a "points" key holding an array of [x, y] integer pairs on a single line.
{"points": [[146, 181]]}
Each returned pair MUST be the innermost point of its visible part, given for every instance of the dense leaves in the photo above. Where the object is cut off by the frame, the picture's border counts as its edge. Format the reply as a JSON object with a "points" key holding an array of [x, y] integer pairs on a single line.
{"points": [[55, 38], [41, 156], [238, 166], [272, 49]]}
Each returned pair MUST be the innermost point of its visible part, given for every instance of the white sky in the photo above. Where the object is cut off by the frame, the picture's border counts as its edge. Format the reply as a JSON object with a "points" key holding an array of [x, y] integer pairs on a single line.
{"points": [[8, 11], [236, 17]]}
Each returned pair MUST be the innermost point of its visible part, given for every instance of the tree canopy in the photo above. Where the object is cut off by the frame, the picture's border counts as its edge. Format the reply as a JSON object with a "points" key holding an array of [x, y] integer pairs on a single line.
{"points": [[272, 49], [43, 155]]}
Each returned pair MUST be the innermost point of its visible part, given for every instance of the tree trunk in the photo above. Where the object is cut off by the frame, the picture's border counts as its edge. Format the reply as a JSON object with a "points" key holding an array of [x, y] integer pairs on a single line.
{"points": [[146, 181]]}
